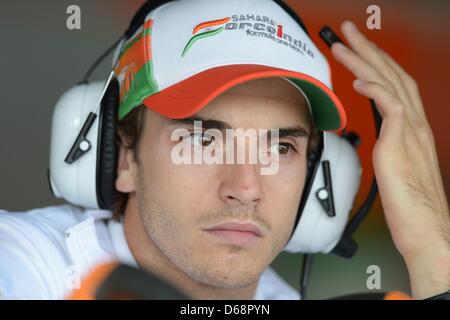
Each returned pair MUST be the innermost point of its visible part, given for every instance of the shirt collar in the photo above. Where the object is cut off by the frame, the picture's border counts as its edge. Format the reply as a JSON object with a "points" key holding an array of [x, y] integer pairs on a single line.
{"points": [[120, 244]]}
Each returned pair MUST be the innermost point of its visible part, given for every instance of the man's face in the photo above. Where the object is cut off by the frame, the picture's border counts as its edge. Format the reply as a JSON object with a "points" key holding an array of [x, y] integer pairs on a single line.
{"points": [[178, 204]]}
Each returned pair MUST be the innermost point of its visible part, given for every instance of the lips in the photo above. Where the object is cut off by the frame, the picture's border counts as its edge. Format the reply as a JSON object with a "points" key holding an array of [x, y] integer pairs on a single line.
{"points": [[242, 227], [243, 234]]}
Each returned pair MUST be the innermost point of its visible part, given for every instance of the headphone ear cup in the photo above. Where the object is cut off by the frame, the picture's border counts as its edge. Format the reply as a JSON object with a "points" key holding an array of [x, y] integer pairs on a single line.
{"points": [[76, 182], [107, 150], [316, 231]]}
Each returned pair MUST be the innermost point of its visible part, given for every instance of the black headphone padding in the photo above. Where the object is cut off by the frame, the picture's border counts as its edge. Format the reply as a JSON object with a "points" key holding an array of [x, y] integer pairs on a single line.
{"points": [[107, 152]]}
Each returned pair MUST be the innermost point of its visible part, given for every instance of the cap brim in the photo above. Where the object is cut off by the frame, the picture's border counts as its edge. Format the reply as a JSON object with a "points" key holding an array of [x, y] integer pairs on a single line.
{"points": [[189, 96]]}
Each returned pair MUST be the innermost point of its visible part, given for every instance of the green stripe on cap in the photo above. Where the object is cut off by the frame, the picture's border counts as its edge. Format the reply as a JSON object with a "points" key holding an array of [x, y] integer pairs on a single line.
{"points": [[200, 36], [144, 86], [324, 112]]}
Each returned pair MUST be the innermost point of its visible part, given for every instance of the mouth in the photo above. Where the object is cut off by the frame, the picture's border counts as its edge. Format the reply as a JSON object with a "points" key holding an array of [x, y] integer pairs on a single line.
{"points": [[242, 234]]}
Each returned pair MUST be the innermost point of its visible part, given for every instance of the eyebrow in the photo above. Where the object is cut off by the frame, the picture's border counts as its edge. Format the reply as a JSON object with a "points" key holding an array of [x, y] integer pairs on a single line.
{"points": [[294, 132], [206, 123]]}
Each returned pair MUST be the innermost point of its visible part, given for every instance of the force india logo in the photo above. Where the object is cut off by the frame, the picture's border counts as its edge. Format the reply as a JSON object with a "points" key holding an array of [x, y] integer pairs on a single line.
{"points": [[254, 26]]}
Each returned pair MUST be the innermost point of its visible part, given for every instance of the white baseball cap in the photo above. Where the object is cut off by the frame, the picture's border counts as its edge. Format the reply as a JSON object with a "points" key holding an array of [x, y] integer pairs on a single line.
{"points": [[188, 52]]}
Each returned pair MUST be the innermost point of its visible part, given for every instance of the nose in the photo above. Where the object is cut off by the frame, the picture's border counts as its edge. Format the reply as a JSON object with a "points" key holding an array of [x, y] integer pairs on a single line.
{"points": [[242, 185]]}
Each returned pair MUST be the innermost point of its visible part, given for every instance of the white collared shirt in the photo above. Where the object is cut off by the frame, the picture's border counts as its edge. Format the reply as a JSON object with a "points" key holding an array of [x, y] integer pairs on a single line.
{"points": [[44, 252]]}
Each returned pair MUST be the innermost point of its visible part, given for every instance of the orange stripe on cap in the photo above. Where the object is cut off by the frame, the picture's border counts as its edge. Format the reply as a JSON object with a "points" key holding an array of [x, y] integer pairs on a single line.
{"points": [[190, 95], [137, 53], [209, 24], [148, 24]]}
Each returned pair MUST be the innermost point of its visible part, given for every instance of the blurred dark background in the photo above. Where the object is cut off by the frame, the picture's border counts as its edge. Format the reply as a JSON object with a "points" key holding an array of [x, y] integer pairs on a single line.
{"points": [[41, 58]]}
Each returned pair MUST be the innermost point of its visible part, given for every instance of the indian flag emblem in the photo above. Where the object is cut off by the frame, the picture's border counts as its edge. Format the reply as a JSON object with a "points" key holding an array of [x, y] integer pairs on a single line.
{"points": [[204, 30]]}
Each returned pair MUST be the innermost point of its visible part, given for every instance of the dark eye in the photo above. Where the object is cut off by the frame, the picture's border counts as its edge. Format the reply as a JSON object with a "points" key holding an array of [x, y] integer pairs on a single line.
{"points": [[202, 139], [282, 148]]}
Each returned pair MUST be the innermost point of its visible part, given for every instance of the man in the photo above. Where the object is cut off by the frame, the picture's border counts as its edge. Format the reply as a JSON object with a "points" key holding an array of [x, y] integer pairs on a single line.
{"points": [[213, 230]]}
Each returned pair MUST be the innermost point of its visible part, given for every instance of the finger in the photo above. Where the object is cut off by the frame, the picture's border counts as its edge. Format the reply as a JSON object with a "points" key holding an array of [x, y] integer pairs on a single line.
{"points": [[361, 69], [373, 55], [409, 83], [370, 53], [391, 109]]}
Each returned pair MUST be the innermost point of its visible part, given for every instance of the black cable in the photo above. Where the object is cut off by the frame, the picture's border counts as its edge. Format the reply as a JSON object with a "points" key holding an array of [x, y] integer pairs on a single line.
{"points": [[305, 274], [365, 207], [377, 118], [100, 59], [363, 210]]}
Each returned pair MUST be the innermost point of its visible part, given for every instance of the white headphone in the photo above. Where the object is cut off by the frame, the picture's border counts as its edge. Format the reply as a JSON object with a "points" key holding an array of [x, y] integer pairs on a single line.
{"points": [[84, 172]]}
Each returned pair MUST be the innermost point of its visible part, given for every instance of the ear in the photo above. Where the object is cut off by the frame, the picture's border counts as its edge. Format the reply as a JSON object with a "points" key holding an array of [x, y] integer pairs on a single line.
{"points": [[125, 170]]}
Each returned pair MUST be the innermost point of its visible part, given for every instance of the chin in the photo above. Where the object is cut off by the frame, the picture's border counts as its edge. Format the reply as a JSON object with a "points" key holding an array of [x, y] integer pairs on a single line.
{"points": [[231, 280], [229, 273]]}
